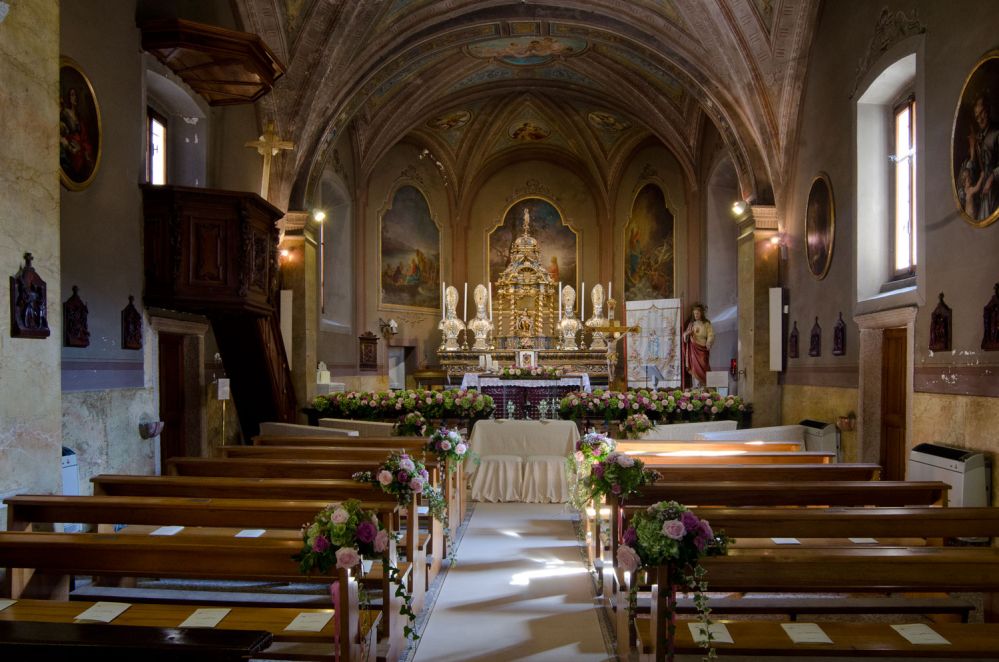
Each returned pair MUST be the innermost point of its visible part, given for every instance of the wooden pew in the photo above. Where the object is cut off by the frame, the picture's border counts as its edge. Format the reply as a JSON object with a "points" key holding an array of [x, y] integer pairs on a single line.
{"points": [[388, 443], [720, 471], [64, 554], [656, 460], [272, 620], [698, 446]]}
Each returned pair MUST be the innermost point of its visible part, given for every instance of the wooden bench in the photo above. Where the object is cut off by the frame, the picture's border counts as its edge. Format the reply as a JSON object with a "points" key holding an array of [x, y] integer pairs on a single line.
{"points": [[47, 560], [291, 644], [58, 641], [388, 443], [656, 460], [708, 447], [720, 471]]}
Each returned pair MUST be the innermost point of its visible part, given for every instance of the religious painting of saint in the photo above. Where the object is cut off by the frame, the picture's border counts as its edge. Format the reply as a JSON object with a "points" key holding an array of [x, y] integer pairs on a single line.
{"points": [[80, 136], [820, 226], [607, 121], [529, 131], [648, 268], [527, 51], [410, 253], [453, 120], [556, 240], [975, 144]]}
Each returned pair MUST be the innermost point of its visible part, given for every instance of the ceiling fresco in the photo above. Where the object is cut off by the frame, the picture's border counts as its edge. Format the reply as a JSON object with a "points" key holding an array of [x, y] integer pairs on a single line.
{"points": [[600, 74]]}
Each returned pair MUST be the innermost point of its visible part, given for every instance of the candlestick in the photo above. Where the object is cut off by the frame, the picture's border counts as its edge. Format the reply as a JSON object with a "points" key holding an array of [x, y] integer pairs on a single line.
{"points": [[465, 314]]}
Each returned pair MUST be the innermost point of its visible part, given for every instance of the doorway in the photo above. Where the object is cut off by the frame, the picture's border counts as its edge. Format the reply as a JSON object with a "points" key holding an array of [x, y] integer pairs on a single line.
{"points": [[181, 384], [893, 403], [173, 438]]}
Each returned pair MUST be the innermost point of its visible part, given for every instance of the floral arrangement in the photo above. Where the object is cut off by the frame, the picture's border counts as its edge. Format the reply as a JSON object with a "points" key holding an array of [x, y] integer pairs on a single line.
{"points": [[537, 372], [447, 445], [636, 425], [341, 536], [669, 406], [618, 474], [412, 424], [593, 447], [389, 405], [668, 534]]}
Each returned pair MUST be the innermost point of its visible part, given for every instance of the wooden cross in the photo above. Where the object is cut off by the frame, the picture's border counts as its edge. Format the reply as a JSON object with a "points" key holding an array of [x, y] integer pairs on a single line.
{"points": [[268, 146]]}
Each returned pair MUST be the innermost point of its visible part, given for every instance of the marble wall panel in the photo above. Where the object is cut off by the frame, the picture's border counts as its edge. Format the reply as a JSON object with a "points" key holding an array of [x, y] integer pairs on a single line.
{"points": [[823, 403]]}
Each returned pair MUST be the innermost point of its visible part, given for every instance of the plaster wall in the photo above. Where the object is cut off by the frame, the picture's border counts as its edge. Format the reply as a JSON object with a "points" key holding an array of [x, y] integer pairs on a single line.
{"points": [[826, 404], [30, 431]]}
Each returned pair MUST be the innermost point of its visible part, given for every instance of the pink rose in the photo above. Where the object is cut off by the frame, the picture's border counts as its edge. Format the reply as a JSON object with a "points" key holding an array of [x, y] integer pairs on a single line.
{"points": [[381, 541], [416, 485], [674, 529], [339, 516], [628, 559], [347, 557], [625, 461], [445, 445], [385, 477], [579, 456], [460, 449]]}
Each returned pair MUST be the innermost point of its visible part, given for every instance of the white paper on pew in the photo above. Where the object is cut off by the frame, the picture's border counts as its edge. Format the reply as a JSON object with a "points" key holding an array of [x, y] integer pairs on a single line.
{"points": [[251, 533], [205, 618], [863, 541], [920, 635], [719, 633], [6, 603], [806, 633], [167, 531], [423, 510], [104, 612], [786, 541], [310, 621], [366, 566]]}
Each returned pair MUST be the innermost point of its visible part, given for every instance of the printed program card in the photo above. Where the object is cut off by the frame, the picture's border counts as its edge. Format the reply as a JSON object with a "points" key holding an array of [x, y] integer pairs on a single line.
{"points": [[251, 533], [310, 621], [806, 633], [786, 541], [863, 541], [719, 633], [921, 635], [205, 618], [167, 531], [6, 603], [103, 612]]}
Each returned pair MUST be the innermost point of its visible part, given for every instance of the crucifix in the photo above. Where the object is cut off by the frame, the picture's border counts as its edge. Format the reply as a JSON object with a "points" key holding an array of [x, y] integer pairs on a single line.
{"points": [[268, 146]]}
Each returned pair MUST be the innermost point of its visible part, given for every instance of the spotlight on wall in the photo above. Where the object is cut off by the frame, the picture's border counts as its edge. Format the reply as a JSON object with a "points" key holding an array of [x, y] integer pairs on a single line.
{"points": [[739, 207], [319, 216], [775, 240], [285, 252]]}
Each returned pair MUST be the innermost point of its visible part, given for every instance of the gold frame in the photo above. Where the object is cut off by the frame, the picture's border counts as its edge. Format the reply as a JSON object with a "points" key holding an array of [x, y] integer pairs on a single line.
{"points": [[991, 55], [440, 246], [824, 178], [70, 184], [639, 187], [502, 219]]}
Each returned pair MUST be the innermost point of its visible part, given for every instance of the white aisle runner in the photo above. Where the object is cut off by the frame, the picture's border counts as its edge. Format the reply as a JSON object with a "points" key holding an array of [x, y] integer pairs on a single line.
{"points": [[520, 591]]}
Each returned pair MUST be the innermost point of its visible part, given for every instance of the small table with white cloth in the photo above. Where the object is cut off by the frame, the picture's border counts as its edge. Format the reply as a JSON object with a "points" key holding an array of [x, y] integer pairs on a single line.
{"points": [[521, 460]]}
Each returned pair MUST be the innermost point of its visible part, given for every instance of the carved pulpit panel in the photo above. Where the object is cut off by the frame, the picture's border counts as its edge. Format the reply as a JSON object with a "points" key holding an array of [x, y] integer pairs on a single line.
{"points": [[74, 321], [28, 308]]}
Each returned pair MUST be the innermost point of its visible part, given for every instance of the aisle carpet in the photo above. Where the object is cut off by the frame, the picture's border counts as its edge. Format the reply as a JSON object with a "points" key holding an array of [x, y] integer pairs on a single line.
{"points": [[519, 591]]}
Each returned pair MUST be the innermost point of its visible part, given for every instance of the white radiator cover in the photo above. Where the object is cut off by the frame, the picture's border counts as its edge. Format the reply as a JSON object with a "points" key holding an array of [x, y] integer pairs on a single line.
{"points": [[969, 473]]}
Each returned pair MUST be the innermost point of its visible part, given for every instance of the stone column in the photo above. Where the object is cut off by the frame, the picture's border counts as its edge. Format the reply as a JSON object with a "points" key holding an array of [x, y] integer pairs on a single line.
{"points": [[300, 274], [758, 272]]}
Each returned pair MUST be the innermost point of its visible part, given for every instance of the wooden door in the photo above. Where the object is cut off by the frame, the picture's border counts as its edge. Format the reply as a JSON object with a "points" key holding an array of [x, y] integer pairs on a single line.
{"points": [[893, 414], [173, 441]]}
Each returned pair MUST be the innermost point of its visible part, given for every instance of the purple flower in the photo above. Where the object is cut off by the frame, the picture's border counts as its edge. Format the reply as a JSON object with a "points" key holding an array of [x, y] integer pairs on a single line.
{"points": [[704, 530], [366, 532], [690, 521], [598, 470], [615, 488], [416, 485], [630, 536], [403, 476], [320, 544]]}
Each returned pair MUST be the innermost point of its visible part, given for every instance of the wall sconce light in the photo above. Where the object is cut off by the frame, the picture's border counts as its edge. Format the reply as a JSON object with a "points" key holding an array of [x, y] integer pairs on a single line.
{"points": [[389, 328], [739, 208], [319, 216]]}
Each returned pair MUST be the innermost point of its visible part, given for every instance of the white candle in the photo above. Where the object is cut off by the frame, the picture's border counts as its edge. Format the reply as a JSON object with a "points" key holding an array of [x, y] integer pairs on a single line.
{"points": [[465, 315], [582, 303], [609, 296], [443, 300], [560, 302], [490, 301]]}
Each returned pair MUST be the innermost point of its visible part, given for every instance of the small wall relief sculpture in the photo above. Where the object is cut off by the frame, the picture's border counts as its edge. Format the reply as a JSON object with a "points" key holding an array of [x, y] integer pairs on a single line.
{"points": [[940, 324], [839, 337], [792, 342], [990, 338], [131, 326], [28, 312], [367, 351], [74, 321], [815, 341]]}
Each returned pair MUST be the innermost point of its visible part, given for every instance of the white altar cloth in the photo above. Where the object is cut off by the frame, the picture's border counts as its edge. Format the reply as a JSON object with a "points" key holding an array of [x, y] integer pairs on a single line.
{"points": [[521, 460], [476, 380]]}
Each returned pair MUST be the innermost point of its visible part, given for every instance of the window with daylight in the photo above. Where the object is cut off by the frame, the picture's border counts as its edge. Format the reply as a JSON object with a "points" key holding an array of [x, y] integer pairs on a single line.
{"points": [[904, 182], [156, 137]]}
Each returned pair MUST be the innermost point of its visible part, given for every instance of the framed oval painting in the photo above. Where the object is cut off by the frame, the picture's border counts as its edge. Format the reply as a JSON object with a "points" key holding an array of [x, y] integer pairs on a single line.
{"points": [[975, 144], [820, 226], [80, 136]]}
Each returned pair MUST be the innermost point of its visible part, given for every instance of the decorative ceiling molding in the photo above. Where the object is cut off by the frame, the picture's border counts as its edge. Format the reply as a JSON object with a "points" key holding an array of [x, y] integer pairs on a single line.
{"points": [[890, 28]]}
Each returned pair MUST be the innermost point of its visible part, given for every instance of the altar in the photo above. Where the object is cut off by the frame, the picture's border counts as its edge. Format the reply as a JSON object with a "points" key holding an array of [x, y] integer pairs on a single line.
{"points": [[526, 398]]}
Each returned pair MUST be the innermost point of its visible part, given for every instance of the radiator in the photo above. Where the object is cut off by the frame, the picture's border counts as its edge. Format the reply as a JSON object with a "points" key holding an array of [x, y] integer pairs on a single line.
{"points": [[969, 473]]}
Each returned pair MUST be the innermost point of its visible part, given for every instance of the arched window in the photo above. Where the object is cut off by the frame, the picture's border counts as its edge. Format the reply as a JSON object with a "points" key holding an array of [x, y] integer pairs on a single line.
{"points": [[176, 132]]}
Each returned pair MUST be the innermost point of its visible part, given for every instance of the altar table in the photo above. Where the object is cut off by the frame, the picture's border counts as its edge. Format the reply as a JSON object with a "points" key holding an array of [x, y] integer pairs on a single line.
{"points": [[579, 382], [521, 460], [526, 395]]}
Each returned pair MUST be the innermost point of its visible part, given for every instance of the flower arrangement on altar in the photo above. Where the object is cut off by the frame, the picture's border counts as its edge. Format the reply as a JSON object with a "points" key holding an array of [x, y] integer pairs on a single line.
{"points": [[342, 536], [537, 372], [447, 445], [636, 425], [412, 424], [593, 447], [668, 535], [668, 406], [618, 474], [389, 405]]}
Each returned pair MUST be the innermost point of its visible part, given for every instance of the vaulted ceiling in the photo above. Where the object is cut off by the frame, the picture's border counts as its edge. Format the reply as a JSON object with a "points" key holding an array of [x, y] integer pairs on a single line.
{"points": [[473, 79]]}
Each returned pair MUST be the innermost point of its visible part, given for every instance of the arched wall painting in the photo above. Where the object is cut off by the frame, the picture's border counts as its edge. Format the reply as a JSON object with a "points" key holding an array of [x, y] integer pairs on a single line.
{"points": [[410, 253], [556, 240], [648, 269]]}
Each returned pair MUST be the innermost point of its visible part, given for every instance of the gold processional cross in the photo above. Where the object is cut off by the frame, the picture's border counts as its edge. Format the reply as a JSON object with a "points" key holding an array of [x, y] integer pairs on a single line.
{"points": [[268, 146]]}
